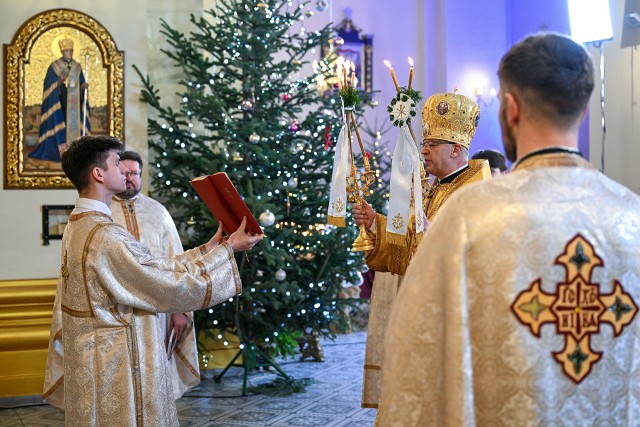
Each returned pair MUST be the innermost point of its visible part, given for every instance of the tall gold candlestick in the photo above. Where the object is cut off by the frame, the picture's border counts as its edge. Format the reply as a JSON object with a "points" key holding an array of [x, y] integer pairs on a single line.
{"points": [[393, 75]]}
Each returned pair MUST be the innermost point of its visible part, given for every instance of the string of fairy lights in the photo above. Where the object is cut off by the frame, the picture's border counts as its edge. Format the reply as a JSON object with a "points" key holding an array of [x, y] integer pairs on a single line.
{"points": [[235, 147]]}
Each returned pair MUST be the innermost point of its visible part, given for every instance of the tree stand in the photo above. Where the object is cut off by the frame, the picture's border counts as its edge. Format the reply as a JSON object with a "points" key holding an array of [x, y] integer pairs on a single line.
{"points": [[250, 354]]}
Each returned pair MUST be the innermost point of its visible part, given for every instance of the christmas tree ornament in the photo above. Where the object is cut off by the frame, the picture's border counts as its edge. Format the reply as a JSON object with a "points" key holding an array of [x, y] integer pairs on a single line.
{"points": [[327, 138], [321, 5], [308, 13], [281, 275], [339, 41], [246, 105], [245, 122], [267, 218], [254, 138], [373, 103], [308, 256]]}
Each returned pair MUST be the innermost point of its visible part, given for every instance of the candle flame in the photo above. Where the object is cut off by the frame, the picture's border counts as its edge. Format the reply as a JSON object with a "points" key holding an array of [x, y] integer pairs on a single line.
{"points": [[353, 66], [410, 61], [387, 63]]}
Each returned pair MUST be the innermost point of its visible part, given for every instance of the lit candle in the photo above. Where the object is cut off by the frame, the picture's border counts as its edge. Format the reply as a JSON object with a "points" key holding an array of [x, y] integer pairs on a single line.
{"points": [[410, 73], [338, 65], [353, 75], [344, 76], [393, 75]]}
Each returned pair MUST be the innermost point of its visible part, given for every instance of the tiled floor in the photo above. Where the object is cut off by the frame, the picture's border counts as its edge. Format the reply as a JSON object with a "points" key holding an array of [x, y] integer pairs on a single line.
{"points": [[332, 400]]}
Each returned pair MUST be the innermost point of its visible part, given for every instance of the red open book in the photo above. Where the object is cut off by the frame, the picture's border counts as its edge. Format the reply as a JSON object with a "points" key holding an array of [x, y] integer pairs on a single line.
{"points": [[224, 202]]}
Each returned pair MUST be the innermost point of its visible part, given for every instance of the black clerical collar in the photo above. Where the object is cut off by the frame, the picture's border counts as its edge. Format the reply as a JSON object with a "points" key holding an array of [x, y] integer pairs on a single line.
{"points": [[449, 178], [549, 150]]}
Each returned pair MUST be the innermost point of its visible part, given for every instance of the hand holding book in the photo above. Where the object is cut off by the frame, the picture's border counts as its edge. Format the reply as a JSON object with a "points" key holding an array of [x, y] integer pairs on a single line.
{"points": [[226, 205], [239, 240]]}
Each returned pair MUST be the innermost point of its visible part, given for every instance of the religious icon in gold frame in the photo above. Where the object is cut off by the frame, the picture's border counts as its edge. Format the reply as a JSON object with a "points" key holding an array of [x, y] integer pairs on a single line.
{"points": [[63, 79]]}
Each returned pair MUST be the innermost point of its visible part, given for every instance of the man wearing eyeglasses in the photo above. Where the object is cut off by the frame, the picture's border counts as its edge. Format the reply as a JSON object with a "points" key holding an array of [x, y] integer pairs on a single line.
{"points": [[151, 224], [449, 122], [528, 315]]}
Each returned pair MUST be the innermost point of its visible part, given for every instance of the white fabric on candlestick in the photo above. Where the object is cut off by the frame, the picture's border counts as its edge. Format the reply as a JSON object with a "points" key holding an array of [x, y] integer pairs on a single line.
{"points": [[338, 187], [405, 178]]}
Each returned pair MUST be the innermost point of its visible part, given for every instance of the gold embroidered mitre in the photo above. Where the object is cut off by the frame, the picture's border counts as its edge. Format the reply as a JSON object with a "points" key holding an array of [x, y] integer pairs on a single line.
{"points": [[65, 44], [450, 117]]}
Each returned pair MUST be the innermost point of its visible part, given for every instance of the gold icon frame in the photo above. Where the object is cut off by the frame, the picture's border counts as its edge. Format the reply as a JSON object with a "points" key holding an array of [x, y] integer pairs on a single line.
{"points": [[26, 59]]}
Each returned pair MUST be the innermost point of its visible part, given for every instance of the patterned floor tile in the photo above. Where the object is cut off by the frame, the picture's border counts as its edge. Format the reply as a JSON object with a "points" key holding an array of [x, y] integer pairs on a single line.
{"points": [[305, 420], [331, 400]]}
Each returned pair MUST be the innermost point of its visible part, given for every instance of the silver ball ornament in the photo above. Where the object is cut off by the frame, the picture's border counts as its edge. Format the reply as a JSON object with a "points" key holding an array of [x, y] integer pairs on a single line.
{"points": [[267, 218], [281, 275]]}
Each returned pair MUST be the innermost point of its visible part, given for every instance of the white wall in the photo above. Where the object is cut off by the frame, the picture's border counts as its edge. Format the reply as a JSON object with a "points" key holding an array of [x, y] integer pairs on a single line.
{"points": [[22, 255], [134, 25], [444, 38], [622, 115]]}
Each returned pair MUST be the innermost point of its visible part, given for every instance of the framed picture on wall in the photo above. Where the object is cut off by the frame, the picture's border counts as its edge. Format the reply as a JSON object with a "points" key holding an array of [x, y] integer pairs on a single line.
{"points": [[63, 79], [54, 221]]}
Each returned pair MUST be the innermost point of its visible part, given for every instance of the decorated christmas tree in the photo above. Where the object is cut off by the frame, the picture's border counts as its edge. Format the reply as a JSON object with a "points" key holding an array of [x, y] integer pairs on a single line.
{"points": [[250, 106]]}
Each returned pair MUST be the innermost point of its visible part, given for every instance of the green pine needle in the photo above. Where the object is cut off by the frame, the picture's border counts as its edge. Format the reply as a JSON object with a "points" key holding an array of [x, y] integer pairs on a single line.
{"points": [[350, 96], [415, 95]]}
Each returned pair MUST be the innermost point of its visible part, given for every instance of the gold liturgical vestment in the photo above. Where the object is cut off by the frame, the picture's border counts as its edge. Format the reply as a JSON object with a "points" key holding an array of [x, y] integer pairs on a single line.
{"points": [[520, 306], [152, 225], [109, 289], [386, 257]]}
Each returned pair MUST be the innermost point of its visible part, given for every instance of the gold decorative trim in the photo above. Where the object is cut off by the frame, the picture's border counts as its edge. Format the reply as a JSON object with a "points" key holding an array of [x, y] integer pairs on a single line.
{"points": [[185, 361], [76, 313], [373, 367], [53, 388], [16, 56], [207, 298], [85, 254]]}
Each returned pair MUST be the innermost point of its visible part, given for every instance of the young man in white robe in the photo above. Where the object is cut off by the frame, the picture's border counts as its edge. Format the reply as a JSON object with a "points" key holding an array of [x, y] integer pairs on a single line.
{"points": [[109, 290]]}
